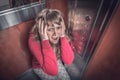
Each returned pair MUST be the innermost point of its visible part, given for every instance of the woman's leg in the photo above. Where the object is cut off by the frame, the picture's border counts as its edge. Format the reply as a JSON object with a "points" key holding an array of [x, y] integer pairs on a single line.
{"points": [[44, 76], [62, 75]]}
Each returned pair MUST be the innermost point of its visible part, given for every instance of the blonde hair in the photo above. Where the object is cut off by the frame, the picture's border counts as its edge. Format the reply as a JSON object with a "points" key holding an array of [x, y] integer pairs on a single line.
{"points": [[48, 15]]}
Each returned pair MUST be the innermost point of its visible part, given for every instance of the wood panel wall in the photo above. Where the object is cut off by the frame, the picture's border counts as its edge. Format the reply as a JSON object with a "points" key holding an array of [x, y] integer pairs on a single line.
{"points": [[105, 64], [15, 56]]}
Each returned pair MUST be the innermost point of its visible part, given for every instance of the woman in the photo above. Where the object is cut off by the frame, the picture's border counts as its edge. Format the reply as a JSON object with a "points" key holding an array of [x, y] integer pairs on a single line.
{"points": [[49, 46]]}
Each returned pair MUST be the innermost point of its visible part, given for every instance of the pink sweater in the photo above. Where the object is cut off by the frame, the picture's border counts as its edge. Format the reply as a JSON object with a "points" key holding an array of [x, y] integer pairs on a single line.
{"points": [[45, 58]]}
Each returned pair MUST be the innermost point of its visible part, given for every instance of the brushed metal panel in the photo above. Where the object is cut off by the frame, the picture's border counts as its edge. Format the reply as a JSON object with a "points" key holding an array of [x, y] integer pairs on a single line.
{"points": [[11, 17]]}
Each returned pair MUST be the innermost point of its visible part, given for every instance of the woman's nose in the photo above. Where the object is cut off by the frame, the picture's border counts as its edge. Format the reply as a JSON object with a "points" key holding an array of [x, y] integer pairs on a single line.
{"points": [[55, 32]]}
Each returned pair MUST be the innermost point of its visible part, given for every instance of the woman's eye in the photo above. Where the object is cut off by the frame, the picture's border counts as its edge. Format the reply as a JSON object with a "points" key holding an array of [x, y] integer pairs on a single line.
{"points": [[59, 27], [50, 29]]}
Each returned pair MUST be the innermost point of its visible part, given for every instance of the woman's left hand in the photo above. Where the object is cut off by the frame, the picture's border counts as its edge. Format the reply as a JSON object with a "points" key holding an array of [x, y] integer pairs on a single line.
{"points": [[63, 28]]}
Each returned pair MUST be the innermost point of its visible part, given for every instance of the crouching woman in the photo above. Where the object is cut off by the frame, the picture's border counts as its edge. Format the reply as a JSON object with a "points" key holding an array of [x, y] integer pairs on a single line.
{"points": [[49, 46]]}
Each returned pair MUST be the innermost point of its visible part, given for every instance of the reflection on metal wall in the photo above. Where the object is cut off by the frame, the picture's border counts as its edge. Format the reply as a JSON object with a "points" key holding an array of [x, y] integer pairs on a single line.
{"points": [[20, 14], [81, 16], [17, 3]]}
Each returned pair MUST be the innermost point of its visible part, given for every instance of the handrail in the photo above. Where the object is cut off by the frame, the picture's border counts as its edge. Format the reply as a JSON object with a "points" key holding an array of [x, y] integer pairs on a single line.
{"points": [[13, 16]]}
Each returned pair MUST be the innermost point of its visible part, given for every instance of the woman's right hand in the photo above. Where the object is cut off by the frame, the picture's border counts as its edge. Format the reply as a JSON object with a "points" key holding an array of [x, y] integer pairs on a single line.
{"points": [[63, 28], [42, 28]]}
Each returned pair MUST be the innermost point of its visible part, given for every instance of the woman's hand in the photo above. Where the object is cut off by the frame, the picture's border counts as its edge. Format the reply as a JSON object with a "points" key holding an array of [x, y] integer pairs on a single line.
{"points": [[63, 28], [42, 28]]}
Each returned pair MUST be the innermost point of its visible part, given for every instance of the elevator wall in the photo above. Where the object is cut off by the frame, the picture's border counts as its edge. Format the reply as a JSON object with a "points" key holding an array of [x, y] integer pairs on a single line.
{"points": [[105, 65]]}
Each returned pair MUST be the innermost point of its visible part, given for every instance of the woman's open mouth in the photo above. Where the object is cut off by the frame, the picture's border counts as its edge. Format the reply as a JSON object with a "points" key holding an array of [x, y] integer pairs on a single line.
{"points": [[55, 39]]}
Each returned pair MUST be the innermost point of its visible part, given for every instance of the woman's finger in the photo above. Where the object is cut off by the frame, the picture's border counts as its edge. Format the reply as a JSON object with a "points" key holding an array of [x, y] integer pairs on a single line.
{"points": [[39, 26], [45, 29], [63, 27], [42, 27], [63, 24]]}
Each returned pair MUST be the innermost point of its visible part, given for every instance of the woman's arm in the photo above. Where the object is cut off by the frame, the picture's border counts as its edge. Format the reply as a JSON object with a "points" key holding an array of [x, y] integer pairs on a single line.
{"points": [[67, 54], [46, 57]]}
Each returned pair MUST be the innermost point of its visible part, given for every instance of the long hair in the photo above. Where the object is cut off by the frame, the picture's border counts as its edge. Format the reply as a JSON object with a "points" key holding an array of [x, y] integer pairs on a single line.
{"points": [[48, 15]]}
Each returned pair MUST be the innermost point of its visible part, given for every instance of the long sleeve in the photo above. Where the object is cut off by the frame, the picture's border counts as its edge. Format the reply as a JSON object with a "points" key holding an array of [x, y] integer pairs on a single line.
{"points": [[46, 57], [67, 54]]}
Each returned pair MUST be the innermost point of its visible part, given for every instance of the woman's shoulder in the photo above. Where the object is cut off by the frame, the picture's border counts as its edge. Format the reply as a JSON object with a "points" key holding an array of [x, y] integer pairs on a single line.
{"points": [[33, 37]]}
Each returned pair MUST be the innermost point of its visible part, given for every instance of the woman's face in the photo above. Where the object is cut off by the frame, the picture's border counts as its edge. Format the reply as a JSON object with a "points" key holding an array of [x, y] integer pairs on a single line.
{"points": [[54, 32]]}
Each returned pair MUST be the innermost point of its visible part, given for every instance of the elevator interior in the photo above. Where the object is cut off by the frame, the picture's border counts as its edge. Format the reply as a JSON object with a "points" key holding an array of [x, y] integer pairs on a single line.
{"points": [[87, 20]]}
